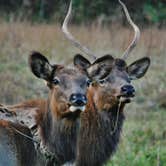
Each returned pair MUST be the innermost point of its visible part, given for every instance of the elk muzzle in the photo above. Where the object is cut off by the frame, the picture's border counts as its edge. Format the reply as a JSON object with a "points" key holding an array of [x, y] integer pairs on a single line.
{"points": [[128, 91], [77, 102]]}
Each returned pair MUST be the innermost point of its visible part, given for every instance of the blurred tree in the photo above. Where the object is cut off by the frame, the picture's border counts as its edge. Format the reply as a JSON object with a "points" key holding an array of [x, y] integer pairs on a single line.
{"points": [[146, 11]]}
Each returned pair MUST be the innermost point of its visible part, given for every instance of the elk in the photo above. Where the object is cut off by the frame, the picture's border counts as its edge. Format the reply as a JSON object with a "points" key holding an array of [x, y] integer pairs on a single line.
{"points": [[57, 118], [102, 121], [58, 121]]}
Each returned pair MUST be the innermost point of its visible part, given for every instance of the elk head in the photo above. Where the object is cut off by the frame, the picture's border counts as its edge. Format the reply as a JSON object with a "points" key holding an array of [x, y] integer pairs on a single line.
{"points": [[67, 86], [117, 86]]}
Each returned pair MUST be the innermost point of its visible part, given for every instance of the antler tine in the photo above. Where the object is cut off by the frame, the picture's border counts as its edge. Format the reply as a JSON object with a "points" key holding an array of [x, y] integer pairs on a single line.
{"points": [[136, 30], [71, 38]]}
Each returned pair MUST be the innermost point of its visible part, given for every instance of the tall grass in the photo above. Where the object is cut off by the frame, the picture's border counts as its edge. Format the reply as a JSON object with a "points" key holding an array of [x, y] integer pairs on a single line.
{"points": [[144, 135]]}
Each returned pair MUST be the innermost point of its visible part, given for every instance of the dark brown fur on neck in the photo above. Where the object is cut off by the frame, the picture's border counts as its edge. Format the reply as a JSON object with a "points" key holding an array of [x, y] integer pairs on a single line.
{"points": [[98, 138]]}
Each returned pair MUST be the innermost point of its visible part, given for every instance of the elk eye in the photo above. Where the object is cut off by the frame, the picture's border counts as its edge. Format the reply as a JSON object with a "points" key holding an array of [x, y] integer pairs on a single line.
{"points": [[88, 82], [56, 81], [102, 81]]}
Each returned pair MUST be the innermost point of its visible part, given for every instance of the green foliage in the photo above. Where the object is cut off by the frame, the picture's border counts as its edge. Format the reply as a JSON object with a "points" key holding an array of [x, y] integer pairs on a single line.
{"points": [[89, 10], [84, 10], [143, 144], [154, 12]]}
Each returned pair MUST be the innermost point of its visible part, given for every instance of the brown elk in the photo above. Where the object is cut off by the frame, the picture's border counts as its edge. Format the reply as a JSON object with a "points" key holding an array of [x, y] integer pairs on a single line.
{"points": [[102, 121], [57, 119]]}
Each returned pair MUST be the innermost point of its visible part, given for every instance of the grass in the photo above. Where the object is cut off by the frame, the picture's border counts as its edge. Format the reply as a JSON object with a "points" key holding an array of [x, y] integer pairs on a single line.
{"points": [[143, 141]]}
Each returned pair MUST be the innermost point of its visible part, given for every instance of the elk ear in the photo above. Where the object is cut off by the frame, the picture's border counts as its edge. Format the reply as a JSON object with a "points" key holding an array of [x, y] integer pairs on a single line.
{"points": [[101, 67], [138, 68], [81, 63], [40, 66]]}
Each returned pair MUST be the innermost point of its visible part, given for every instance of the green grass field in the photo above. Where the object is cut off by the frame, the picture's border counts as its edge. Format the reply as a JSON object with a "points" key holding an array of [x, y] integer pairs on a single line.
{"points": [[143, 141]]}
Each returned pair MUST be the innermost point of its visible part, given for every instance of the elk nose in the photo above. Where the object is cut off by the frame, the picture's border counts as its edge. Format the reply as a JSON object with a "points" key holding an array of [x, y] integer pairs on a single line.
{"points": [[78, 99], [128, 90]]}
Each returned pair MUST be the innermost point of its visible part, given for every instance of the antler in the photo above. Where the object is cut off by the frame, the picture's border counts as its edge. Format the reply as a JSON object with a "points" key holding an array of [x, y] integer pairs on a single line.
{"points": [[136, 30], [71, 38]]}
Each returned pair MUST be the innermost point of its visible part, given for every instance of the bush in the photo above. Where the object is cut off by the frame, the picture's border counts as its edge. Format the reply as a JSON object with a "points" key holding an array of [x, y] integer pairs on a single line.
{"points": [[154, 12]]}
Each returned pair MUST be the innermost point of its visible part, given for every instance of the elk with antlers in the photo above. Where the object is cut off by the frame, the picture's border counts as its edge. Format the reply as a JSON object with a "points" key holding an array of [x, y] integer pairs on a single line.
{"points": [[102, 121]]}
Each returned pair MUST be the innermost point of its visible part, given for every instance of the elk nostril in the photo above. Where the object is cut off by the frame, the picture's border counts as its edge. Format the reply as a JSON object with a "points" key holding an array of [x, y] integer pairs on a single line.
{"points": [[128, 90], [123, 89], [78, 99], [73, 97]]}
